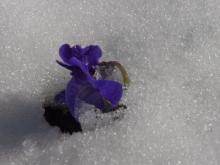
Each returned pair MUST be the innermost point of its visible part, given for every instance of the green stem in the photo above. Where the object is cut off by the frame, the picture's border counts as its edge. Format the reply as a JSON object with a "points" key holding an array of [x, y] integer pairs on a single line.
{"points": [[122, 70]]}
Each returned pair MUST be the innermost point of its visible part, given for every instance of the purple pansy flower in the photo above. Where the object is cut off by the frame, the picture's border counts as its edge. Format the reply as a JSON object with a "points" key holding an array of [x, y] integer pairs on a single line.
{"points": [[89, 56], [103, 94]]}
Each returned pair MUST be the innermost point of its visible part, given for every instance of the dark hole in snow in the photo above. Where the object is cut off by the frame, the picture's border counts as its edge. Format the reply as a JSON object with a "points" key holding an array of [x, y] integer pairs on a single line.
{"points": [[56, 116]]}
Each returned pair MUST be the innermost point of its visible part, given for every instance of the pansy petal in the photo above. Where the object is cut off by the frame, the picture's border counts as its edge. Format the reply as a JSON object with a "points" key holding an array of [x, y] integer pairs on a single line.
{"points": [[95, 92], [110, 90], [75, 69], [65, 65], [70, 96], [65, 52], [85, 92], [78, 48], [75, 62], [91, 95], [76, 51], [85, 50], [92, 53]]}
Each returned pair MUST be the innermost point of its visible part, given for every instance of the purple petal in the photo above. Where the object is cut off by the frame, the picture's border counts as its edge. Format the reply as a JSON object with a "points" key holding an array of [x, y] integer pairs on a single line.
{"points": [[89, 55], [102, 94], [95, 92], [93, 53], [65, 53], [78, 48], [110, 90], [73, 64], [85, 92], [91, 96], [76, 51], [65, 65], [70, 96]]}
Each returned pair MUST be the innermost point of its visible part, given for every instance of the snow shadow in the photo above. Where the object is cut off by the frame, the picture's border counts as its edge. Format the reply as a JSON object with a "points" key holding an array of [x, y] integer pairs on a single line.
{"points": [[20, 117]]}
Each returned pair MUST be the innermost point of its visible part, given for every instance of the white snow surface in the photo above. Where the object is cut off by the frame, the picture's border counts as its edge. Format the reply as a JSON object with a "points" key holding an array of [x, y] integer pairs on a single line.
{"points": [[171, 49]]}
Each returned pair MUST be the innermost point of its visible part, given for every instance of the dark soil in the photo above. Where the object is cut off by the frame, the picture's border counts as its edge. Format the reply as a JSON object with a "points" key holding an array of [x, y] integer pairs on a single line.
{"points": [[58, 116]]}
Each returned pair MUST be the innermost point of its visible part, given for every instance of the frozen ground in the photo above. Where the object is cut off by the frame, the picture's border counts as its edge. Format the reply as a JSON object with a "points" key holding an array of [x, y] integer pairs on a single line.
{"points": [[171, 49]]}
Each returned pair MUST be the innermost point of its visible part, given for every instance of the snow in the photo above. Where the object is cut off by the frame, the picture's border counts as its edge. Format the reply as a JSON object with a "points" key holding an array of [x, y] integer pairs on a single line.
{"points": [[169, 47]]}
